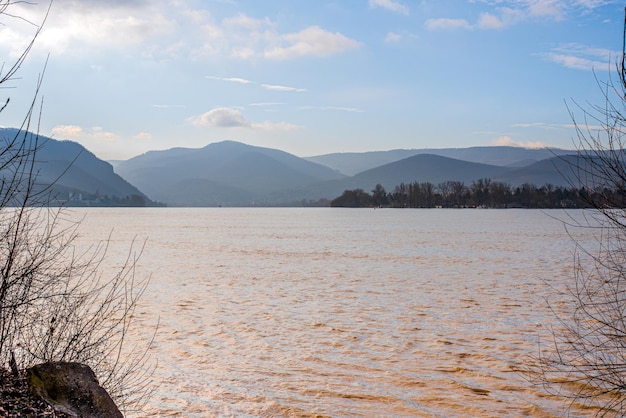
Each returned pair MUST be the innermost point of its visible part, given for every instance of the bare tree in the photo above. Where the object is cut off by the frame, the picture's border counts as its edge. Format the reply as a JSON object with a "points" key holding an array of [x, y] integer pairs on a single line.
{"points": [[587, 360], [56, 303]]}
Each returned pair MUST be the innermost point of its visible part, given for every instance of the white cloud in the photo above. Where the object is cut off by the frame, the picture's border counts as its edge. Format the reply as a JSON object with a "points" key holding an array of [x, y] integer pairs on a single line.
{"points": [[489, 21], [67, 131], [392, 5], [546, 8], [143, 135], [97, 132], [243, 22], [509, 142], [100, 141], [223, 117], [81, 26], [163, 30], [243, 53], [446, 23], [312, 41]]}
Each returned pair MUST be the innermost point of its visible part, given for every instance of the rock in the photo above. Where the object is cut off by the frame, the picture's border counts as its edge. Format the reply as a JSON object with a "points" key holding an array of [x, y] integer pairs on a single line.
{"points": [[72, 389]]}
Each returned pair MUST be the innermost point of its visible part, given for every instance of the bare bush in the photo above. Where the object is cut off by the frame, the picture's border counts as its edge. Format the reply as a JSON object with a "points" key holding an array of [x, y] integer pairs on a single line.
{"points": [[58, 304], [587, 360]]}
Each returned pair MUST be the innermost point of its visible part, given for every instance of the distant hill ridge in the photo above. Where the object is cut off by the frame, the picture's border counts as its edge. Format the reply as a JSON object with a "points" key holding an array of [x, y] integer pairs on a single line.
{"points": [[223, 173], [77, 174], [352, 163], [230, 173]]}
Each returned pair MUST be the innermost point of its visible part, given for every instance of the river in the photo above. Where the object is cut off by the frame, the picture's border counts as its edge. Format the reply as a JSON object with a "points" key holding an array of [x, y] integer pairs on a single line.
{"points": [[303, 312]]}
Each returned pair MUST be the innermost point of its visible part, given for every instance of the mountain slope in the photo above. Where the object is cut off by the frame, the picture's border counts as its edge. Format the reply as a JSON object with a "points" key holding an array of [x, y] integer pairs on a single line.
{"points": [[558, 171], [230, 172], [428, 168], [71, 168]]}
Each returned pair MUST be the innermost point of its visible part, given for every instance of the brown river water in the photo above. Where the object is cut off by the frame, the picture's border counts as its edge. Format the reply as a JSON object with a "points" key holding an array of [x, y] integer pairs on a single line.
{"points": [[300, 312]]}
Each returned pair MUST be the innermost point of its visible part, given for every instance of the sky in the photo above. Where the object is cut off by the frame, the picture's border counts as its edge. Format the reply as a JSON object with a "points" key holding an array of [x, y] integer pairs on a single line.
{"points": [[309, 77]]}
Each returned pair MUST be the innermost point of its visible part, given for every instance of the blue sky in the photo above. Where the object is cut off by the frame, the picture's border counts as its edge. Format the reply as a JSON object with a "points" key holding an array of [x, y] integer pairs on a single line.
{"points": [[310, 77]]}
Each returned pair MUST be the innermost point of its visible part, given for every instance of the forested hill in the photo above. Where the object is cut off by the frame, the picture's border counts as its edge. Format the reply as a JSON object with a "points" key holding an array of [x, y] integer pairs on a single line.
{"points": [[79, 178]]}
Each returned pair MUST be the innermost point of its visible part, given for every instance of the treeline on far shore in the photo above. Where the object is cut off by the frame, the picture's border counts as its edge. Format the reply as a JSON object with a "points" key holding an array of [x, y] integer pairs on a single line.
{"points": [[481, 193]]}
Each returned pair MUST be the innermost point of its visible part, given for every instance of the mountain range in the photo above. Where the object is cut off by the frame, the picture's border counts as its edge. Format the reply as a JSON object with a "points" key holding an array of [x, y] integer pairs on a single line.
{"points": [[230, 173], [351, 163]]}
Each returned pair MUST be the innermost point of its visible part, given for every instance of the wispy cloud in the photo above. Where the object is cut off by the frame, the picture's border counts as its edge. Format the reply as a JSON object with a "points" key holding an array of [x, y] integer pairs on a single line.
{"points": [[282, 88], [447, 23], [263, 104], [168, 106], [581, 57], [274, 87], [224, 117], [545, 8], [574, 62], [506, 13], [498, 19], [394, 37], [394, 6], [276, 126], [231, 79], [337, 108], [552, 126]]}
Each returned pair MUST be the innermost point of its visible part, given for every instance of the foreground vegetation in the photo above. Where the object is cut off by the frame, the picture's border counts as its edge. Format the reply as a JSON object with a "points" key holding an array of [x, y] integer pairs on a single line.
{"points": [[586, 359], [59, 302]]}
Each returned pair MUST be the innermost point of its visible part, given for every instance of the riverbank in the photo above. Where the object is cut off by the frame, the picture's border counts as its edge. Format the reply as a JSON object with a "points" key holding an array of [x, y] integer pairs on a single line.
{"points": [[16, 402]]}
